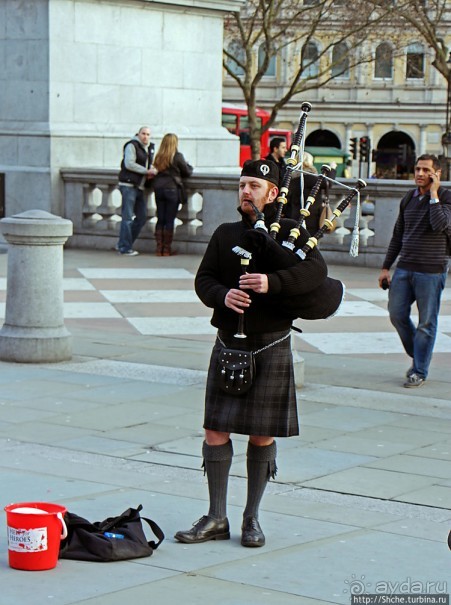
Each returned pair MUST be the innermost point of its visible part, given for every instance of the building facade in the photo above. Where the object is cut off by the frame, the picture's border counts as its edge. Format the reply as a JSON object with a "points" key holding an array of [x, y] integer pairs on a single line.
{"points": [[397, 101]]}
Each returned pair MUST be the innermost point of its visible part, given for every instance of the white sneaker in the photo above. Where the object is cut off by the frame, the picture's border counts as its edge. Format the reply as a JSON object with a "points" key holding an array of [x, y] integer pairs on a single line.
{"points": [[129, 253]]}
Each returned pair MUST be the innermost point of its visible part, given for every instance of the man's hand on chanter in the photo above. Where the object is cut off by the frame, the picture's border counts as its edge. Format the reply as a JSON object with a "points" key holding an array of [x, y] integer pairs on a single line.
{"points": [[258, 282], [237, 300]]}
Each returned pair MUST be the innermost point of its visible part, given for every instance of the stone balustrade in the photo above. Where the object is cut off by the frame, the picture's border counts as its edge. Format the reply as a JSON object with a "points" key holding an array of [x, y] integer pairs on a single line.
{"points": [[92, 202]]}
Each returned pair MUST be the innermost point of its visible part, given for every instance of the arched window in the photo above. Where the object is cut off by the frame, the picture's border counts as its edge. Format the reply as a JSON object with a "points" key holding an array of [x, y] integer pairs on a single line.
{"points": [[340, 61], [271, 69], [383, 67], [310, 63], [236, 49], [415, 61]]}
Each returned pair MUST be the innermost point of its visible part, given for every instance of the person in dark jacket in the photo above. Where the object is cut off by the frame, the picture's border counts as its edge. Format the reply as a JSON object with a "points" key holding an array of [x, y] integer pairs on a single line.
{"points": [[421, 243], [277, 153], [269, 408], [136, 169], [169, 190]]}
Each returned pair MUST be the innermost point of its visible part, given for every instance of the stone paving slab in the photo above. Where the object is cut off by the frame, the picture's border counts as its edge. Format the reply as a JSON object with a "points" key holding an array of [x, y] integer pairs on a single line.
{"points": [[45, 485], [439, 451], [368, 481], [434, 495], [368, 447], [437, 469]]}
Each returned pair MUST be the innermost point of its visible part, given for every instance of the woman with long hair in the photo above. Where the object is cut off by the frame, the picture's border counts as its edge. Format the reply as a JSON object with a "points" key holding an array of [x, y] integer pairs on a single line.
{"points": [[169, 192]]}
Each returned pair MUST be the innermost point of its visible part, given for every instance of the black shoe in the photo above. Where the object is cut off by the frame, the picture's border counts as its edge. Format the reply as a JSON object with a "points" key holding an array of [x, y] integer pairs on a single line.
{"points": [[252, 534], [205, 529]]}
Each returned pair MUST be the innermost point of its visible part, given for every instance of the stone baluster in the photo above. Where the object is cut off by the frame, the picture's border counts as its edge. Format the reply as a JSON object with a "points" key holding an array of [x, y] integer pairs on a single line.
{"points": [[90, 219]]}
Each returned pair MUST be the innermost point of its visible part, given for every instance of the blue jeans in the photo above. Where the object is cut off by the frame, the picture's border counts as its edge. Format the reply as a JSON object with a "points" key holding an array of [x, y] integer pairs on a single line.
{"points": [[167, 201], [134, 215], [426, 289]]}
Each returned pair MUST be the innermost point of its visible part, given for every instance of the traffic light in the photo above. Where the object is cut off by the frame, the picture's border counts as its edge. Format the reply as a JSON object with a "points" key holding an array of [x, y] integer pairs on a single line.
{"points": [[364, 148], [353, 148]]}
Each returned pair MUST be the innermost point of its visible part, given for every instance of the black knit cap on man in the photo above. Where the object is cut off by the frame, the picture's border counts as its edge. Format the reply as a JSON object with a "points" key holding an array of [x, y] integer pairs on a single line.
{"points": [[268, 409], [261, 169]]}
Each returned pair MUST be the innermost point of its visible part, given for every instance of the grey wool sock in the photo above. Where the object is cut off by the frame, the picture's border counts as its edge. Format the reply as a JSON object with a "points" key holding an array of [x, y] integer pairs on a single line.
{"points": [[217, 463], [261, 465]]}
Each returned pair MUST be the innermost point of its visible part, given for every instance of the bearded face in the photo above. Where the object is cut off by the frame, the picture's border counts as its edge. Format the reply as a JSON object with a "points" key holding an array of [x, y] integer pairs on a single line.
{"points": [[257, 191]]}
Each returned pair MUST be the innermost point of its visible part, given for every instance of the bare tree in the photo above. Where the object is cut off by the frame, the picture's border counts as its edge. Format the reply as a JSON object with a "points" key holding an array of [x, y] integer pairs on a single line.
{"points": [[277, 27], [432, 21]]}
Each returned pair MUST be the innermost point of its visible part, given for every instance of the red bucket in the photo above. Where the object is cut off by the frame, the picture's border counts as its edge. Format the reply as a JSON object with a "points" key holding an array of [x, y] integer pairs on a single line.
{"points": [[35, 530]]}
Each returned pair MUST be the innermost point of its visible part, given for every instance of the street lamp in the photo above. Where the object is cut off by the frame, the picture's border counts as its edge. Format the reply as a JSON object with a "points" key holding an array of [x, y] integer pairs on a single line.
{"points": [[446, 138]]}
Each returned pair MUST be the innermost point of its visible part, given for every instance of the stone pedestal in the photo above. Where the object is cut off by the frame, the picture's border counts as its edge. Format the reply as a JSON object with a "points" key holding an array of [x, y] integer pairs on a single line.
{"points": [[34, 330]]}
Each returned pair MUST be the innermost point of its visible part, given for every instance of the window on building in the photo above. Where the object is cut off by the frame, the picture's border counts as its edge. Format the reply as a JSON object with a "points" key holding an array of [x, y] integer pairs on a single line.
{"points": [[383, 66], [340, 60], [310, 62], [415, 61], [236, 49], [271, 69]]}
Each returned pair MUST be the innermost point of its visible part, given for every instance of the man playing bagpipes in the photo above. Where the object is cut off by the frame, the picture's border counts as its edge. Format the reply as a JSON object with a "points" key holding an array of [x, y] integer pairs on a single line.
{"points": [[249, 280]]}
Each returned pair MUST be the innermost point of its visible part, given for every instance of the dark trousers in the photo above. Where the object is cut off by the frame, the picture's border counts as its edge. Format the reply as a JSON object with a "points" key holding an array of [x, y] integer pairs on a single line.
{"points": [[167, 201]]}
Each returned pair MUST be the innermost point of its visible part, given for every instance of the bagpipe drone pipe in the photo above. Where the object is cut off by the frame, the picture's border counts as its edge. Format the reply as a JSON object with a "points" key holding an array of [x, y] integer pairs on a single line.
{"points": [[323, 301]]}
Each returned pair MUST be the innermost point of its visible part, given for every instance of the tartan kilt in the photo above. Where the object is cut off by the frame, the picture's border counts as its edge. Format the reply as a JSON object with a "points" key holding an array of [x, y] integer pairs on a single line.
{"points": [[269, 407]]}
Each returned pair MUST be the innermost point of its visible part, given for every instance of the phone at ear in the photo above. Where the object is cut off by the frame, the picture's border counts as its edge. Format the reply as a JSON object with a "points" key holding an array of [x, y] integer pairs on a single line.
{"points": [[431, 180]]}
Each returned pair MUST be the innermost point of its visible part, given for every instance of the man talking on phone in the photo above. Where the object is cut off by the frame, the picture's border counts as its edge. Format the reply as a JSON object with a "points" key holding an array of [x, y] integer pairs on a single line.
{"points": [[421, 243]]}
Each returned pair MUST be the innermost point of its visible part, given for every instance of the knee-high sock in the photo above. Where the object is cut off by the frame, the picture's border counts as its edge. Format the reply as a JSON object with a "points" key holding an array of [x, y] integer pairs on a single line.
{"points": [[217, 463], [261, 465]]}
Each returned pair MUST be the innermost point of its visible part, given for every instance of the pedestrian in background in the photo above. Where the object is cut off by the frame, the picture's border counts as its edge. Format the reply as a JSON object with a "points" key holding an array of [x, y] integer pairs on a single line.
{"points": [[277, 153], [136, 170], [421, 243], [169, 190]]}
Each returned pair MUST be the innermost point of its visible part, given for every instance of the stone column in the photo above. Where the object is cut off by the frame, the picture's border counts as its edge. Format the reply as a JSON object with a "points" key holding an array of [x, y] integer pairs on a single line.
{"points": [[34, 330]]}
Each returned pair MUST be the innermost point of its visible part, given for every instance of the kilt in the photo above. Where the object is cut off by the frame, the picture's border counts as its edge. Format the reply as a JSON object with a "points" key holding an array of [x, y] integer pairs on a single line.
{"points": [[269, 407]]}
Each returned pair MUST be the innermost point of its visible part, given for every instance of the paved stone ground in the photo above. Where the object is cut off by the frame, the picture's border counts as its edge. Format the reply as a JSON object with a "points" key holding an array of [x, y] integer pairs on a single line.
{"points": [[361, 499]]}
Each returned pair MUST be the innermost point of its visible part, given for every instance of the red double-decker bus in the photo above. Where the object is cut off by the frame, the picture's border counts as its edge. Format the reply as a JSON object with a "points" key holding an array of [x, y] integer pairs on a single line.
{"points": [[235, 119]]}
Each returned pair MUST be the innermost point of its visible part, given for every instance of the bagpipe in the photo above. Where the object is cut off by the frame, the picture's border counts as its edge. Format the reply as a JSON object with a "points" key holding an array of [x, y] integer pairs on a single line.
{"points": [[292, 163], [324, 301]]}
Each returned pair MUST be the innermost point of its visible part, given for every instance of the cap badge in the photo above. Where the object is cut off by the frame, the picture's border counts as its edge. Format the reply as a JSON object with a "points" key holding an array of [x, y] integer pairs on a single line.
{"points": [[264, 169]]}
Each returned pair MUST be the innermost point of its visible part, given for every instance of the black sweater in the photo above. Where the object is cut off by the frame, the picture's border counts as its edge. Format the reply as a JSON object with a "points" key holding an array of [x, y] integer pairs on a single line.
{"points": [[419, 236], [220, 271]]}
